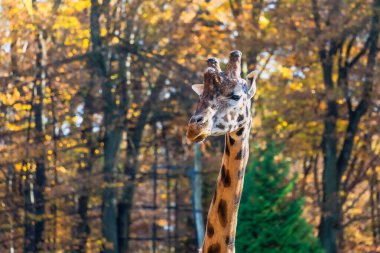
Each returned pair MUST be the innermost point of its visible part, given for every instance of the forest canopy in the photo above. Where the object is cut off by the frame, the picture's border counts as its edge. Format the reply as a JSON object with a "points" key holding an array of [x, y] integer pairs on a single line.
{"points": [[95, 96]]}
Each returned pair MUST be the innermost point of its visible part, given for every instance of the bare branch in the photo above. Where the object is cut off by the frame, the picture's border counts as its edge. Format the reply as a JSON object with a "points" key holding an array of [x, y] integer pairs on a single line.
{"points": [[316, 16], [357, 57]]}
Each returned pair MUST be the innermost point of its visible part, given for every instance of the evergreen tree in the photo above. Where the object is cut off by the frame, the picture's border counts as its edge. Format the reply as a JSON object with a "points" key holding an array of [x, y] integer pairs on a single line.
{"points": [[269, 220]]}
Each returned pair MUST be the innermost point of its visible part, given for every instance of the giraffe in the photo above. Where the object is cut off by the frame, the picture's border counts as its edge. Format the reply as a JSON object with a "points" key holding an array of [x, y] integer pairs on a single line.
{"points": [[224, 108]]}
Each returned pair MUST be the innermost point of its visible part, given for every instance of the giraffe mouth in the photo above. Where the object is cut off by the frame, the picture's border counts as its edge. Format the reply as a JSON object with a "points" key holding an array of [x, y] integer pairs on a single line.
{"points": [[200, 138], [196, 138]]}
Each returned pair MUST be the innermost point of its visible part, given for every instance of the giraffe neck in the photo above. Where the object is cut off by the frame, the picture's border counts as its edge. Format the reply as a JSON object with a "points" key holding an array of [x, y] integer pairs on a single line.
{"points": [[222, 215]]}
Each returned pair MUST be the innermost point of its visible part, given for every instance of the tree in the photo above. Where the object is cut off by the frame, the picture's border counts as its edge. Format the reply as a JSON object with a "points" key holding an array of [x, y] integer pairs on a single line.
{"points": [[269, 219], [332, 58], [339, 48], [85, 97]]}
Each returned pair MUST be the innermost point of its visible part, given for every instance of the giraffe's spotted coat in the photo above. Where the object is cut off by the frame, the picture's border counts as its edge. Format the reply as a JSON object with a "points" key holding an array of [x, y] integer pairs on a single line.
{"points": [[232, 141], [232, 115], [240, 174], [214, 248], [210, 230], [237, 199], [225, 107], [240, 154], [215, 196], [221, 126], [225, 176], [227, 149], [230, 241], [240, 131], [222, 212]]}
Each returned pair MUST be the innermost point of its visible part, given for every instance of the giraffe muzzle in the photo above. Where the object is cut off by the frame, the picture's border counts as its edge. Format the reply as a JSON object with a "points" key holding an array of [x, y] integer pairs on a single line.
{"points": [[195, 133], [197, 129]]}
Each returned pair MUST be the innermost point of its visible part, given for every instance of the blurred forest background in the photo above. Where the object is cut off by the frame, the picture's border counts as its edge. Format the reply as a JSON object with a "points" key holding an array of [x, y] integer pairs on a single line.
{"points": [[95, 96]]}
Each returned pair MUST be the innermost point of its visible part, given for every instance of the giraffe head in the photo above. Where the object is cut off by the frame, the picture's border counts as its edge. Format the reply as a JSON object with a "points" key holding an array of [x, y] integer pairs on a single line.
{"points": [[225, 100]]}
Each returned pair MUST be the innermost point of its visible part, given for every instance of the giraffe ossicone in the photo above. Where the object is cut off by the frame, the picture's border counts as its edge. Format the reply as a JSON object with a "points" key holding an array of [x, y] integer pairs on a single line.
{"points": [[225, 100], [224, 108]]}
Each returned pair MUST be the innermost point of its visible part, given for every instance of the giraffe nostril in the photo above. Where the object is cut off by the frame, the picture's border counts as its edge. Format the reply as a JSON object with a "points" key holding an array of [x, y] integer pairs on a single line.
{"points": [[197, 119]]}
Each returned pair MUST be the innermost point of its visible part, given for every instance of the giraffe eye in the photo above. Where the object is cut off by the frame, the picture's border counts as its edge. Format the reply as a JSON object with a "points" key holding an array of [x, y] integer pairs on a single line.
{"points": [[235, 97]]}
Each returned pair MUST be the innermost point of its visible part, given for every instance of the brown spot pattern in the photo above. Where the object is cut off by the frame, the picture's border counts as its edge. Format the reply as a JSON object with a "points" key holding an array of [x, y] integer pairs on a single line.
{"points": [[232, 141], [227, 149], [220, 126], [240, 174], [240, 117], [214, 248], [232, 114], [210, 230], [225, 176], [240, 154], [230, 241], [240, 131], [222, 212]]}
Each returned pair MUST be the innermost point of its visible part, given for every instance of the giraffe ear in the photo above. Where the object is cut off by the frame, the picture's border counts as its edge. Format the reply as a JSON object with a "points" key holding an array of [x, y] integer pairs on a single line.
{"points": [[198, 88], [251, 81]]}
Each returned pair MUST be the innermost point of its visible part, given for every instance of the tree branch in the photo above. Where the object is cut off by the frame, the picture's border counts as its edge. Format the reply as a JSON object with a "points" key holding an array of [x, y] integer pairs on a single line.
{"points": [[357, 57], [355, 117], [316, 16]]}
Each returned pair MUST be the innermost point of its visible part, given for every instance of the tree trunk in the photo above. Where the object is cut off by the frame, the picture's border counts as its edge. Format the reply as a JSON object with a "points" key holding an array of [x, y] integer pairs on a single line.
{"points": [[328, 228], [131, 167], [113, 119], [111, 147], [35, 206], [82, 230], [335, 164]]}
